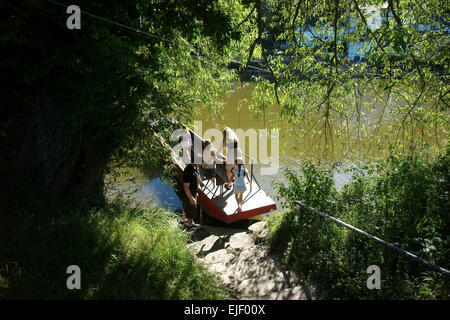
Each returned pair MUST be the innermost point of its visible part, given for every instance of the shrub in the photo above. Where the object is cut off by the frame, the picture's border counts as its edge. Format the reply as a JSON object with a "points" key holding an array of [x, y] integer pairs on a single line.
{"points": [[403, 200]]}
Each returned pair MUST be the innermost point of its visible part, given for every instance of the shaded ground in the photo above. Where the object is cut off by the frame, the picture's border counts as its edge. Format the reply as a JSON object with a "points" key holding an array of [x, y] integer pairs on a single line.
{"points": [[237, 252], [242, 260]]}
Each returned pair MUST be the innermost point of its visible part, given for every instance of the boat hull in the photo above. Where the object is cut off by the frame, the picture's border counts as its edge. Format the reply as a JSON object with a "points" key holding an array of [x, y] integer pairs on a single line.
{"points": [[216, 211]]}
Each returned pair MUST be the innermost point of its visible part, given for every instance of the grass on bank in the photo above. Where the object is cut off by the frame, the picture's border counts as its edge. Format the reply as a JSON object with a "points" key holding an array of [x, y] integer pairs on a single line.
{"points": [[404, 200], [123, 253]]}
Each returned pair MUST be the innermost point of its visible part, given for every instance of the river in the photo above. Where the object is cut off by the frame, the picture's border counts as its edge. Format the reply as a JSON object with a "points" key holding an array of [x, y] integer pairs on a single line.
{"points": [[296, 142]]}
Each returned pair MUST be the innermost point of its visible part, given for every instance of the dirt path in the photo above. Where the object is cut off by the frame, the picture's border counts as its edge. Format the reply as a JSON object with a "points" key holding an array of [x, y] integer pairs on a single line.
{"points": [[244, 264]]}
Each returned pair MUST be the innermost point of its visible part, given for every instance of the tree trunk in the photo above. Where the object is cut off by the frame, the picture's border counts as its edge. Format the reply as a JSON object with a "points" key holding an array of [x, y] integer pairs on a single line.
{"points": [[54, 163]]}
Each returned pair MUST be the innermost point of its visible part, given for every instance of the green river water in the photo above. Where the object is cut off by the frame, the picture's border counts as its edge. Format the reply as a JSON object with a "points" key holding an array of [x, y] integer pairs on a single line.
{"points": [[296, 142]]}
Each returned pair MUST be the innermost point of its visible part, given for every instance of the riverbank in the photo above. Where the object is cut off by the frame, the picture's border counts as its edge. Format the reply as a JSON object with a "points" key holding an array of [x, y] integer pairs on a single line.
{"points": [[242, 260], [238, 253], [123, 252], [404, 201], [400, 200]]}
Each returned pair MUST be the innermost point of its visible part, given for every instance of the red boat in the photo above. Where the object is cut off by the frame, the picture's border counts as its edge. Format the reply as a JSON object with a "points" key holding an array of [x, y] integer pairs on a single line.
{"points": [[218, 201]]}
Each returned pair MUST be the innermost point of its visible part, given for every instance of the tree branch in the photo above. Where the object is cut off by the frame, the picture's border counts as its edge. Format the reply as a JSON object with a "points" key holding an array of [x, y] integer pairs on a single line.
{"points": [[256, 41], [400, 25], [273, 76], [367, 26], [297, 10], [246, 18]]}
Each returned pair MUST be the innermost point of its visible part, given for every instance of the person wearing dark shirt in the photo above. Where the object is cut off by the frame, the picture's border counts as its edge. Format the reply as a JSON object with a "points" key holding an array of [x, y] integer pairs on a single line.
{"points": [[191, 180]]}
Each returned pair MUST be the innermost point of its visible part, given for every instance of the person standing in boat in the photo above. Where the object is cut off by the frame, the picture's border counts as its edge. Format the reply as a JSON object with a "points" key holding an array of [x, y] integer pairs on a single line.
{"points": [[209, 161], [231, 142], [191, 180], [240, 187], [186, 143]]}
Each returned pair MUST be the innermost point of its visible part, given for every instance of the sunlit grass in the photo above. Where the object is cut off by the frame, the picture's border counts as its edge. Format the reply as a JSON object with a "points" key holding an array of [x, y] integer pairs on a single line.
{"points": [[123, 253]]}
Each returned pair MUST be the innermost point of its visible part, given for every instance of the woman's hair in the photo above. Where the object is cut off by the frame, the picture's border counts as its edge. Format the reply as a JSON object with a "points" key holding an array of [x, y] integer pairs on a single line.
{"points": [[225, 132], [240, 162], [228, 133], [206, 143]]}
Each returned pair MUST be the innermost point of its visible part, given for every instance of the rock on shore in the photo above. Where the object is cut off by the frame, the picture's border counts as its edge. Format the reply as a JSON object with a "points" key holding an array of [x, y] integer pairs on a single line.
{"points": [[242, 260]]}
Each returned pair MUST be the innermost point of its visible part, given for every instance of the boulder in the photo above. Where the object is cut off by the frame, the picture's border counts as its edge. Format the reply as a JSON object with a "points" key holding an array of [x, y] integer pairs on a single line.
{"points": [[262, 236], [218, 267], [219, 256], [257, 227], [295, 293], [265, 285], [253, 267], [208, 244], [241, 240]]}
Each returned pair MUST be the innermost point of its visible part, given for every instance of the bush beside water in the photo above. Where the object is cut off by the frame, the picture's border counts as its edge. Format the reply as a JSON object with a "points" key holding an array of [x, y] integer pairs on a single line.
{"points": [[404, 199]]}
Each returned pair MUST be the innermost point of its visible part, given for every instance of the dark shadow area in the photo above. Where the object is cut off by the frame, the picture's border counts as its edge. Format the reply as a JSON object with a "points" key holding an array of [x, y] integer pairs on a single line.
{"points": [[123, 253]]}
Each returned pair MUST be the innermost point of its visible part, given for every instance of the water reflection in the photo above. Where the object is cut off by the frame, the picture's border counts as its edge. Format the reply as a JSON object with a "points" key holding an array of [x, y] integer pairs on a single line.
{"points": [[159, 194]]}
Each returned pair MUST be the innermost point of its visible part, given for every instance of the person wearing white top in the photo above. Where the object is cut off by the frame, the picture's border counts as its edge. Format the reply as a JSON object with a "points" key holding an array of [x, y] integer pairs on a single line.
{"points": [[231, 142], [240, 187], [186, 143]]}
